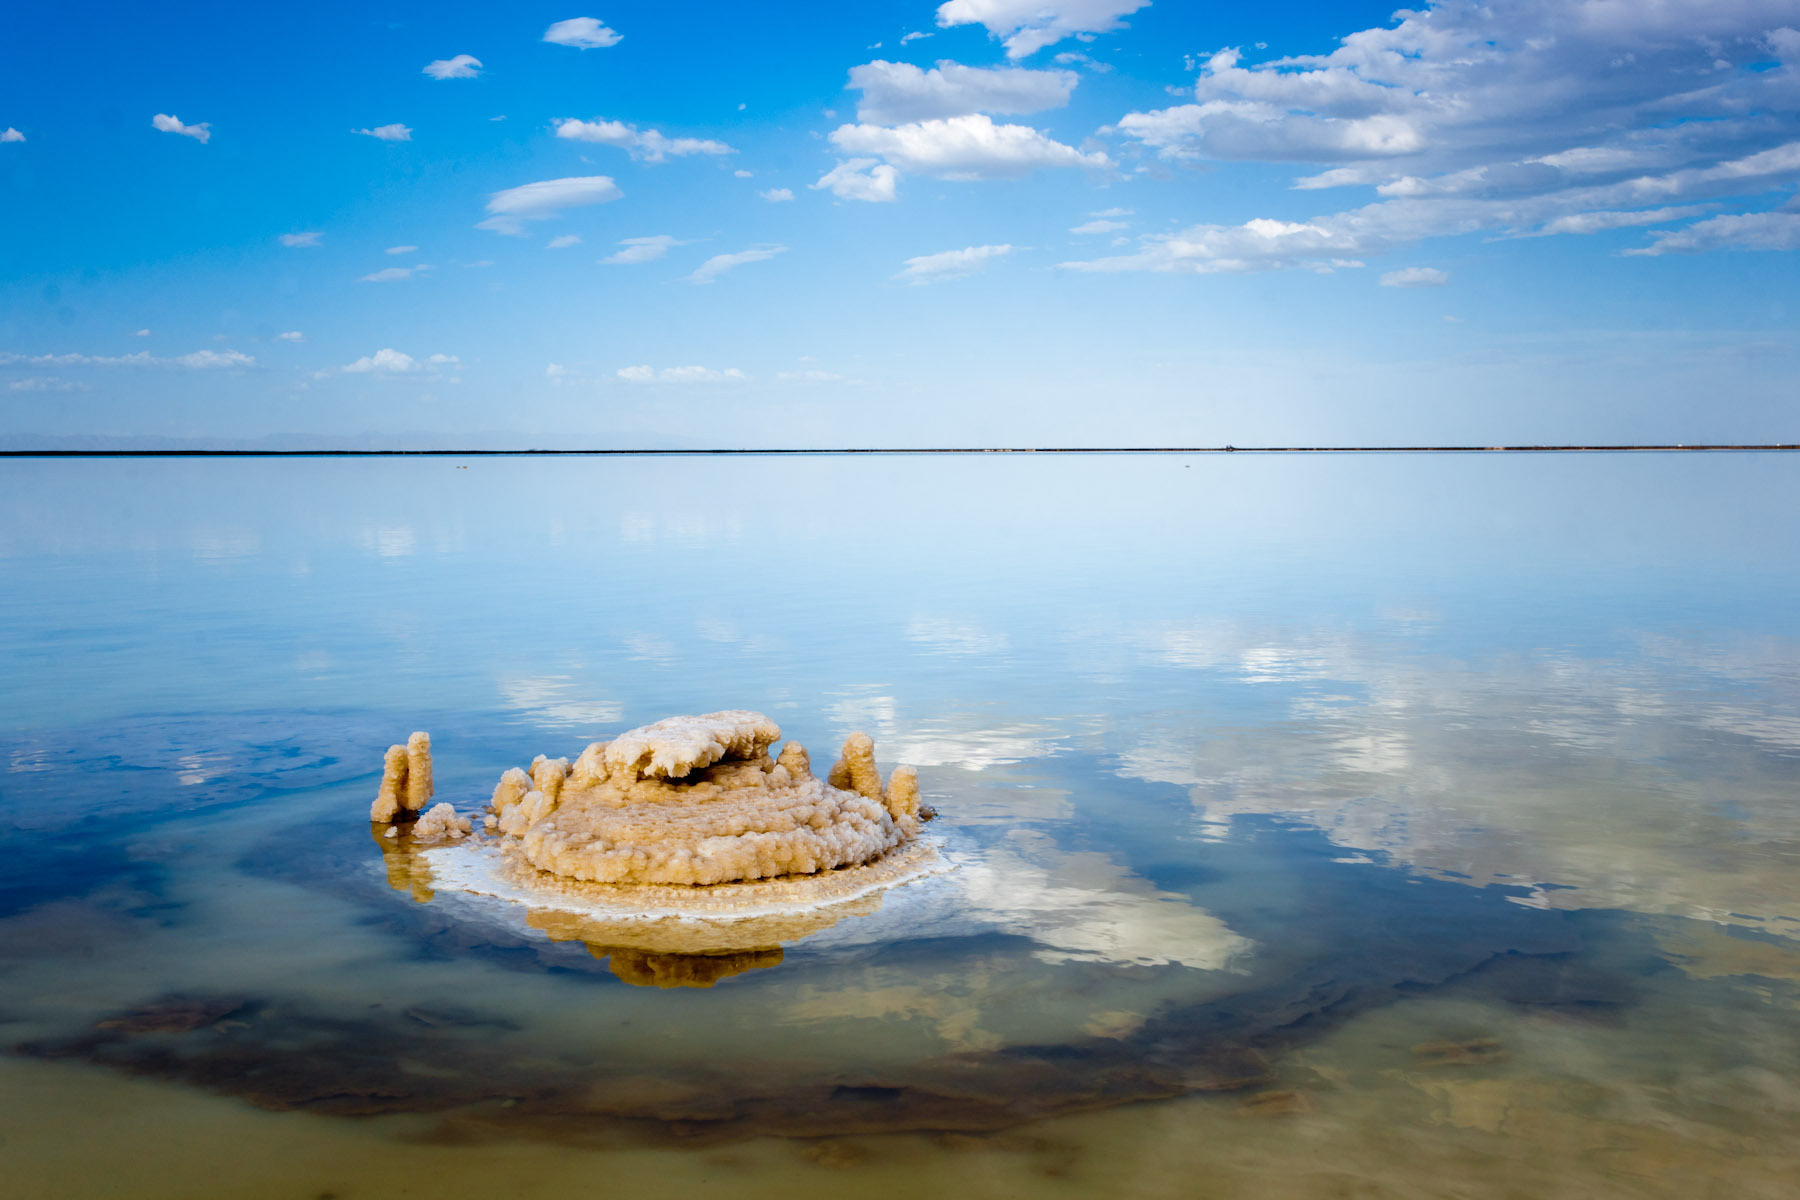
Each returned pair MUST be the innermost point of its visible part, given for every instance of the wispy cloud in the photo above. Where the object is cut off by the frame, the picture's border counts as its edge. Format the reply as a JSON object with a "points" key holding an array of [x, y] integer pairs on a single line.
{"points": [[1415, 277], [545, 199], [777, 195], [646, 144], [401, 250], [46, 383], [643, 249], [392, 274], [718, 264], [199, 360], [647, 374], [292, 335], [309, 238], [584, 33], [949, 264], [201, 133], [563, 241], [463, 66], [387, 133]]}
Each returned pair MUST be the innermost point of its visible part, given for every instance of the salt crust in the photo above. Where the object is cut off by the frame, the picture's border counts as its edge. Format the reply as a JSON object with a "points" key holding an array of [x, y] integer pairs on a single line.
{"points": [[698, 800]]}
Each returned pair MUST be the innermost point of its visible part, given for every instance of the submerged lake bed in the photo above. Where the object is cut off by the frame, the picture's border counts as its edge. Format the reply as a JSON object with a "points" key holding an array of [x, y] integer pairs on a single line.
{"points": [[1309, 825]]}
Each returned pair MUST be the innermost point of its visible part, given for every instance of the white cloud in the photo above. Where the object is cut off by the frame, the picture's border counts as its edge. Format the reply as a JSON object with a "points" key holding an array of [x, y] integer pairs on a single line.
{"points": [[387, 133], [1527, 118], [1070, 58], [141, 333], [563, 241], [777, 195], [646, 144], [201, 133], [463, 66], [1415, 277], [392, 274], [1100, 226], [680, 375], [292, 335], [718, 264], [1029, 25], [861, 179], [642, 249], [199, 360], [743, 174], [545, 199], [949, 264], [46, 383], [1601, 222], [963, 148], [912, 37], [389, 361], [583, 33], [896, 93], [9, 134], [401, 250], [309, 238], [1744, 231]]}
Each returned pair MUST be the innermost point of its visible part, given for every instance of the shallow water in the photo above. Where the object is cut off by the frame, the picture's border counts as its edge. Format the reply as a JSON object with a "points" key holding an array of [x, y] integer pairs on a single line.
{"points": [[1311, 826]]}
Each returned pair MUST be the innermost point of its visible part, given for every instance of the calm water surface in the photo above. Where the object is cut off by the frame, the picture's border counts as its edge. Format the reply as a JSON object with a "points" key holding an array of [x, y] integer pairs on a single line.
{"points": [[1313, 827]]}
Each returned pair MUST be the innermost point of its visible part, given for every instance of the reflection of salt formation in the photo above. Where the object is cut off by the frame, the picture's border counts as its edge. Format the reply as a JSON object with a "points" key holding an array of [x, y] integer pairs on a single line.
{"points": [[406, 870], [406, 789], [687, 953], [699, 800]]}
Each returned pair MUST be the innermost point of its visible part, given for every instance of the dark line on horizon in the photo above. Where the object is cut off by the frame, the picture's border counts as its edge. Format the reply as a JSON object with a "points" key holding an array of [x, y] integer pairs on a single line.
{"points": [[1677, 447]]}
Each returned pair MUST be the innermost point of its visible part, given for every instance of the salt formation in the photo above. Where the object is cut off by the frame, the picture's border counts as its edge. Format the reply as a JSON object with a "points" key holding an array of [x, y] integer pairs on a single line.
{"points": [[405, 780], [406, 790], [699, 800]]}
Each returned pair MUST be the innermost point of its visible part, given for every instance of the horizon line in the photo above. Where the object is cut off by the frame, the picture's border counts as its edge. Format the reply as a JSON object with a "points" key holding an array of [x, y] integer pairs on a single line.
{"points": [[1613, 448]]}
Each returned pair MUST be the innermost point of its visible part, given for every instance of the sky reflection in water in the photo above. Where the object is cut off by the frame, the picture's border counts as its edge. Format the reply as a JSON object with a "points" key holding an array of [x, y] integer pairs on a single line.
{"points": [[1219, 743]]}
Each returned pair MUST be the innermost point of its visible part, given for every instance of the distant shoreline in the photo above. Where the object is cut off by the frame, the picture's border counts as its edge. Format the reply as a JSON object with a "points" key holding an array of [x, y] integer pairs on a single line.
{"points": [[1647, 448]]}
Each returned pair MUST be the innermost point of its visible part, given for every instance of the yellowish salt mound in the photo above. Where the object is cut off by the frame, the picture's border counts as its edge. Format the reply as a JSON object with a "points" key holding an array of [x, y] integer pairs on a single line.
{"points": [[699, 800]]}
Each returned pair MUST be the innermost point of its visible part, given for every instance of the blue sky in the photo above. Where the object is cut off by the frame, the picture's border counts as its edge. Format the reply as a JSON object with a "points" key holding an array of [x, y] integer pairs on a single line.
{"points": [[986, 222]]}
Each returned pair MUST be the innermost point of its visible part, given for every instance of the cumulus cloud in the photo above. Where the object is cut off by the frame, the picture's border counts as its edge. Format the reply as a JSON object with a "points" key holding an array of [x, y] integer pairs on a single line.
{"points": [[387, 133], [647, 374], [1415, 277], [896, 93], [1743, 231], [647, 145], [463, 66], [201, 133], [1027, 26], [583, 33], [199, 360], [642, 249], [1527, 118], [309, 238], [861, 179], [389, 361], [718, 264], [9, 134], [963, 148], [392, 274], [777, 195], [545, 199], [949, 264]]}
